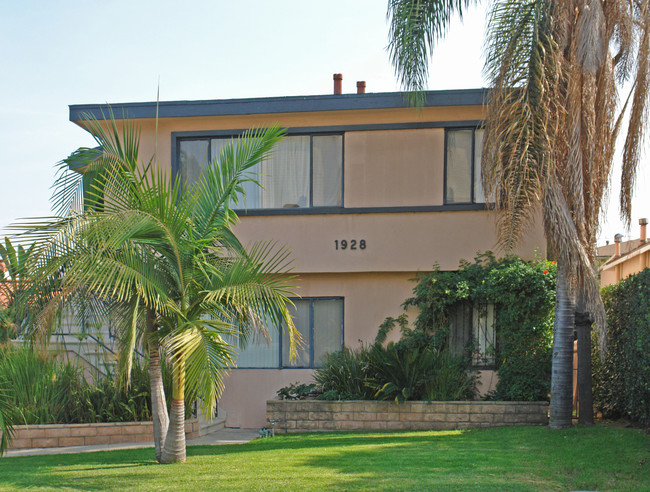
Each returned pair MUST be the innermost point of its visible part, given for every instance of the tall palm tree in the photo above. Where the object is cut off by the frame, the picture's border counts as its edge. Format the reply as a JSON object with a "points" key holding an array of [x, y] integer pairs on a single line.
{"points": [[563, 78], [164, 253]]}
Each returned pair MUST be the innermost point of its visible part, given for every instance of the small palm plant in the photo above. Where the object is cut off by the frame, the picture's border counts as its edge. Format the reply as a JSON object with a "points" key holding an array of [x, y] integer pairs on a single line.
{"points": [[162, 253]]}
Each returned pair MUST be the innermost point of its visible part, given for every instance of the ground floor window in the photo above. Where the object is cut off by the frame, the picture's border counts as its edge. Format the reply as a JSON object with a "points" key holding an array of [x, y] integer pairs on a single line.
{"points": [[472, 331], [320, 323]]}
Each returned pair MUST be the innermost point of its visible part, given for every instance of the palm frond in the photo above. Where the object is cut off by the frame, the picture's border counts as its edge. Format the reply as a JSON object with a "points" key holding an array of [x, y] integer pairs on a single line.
{"points": [[415, 28]]}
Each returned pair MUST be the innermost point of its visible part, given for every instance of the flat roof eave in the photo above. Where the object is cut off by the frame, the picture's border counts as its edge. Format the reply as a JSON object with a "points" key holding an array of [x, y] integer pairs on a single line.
{"points": [[266, 105]]}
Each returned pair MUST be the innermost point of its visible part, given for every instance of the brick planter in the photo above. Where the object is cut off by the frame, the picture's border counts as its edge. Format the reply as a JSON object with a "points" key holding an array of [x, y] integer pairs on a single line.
{"points": [[56, 435], [316, 415]]}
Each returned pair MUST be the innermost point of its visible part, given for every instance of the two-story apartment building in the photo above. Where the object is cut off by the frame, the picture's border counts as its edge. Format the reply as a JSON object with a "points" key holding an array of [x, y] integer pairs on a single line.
{"points": [[365, 190]]}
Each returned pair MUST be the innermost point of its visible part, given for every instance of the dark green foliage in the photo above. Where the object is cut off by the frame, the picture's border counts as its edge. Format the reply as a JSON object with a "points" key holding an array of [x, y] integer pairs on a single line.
{"points": [[399, 372], [622, 379], [523, 294], [297, 391], [411, 369], [42, 390], [343, 374]]}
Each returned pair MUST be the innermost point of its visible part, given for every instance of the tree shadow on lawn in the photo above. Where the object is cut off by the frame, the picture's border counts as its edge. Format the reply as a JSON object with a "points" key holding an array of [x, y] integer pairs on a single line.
{"points": [[495, 459], [82, 471]]}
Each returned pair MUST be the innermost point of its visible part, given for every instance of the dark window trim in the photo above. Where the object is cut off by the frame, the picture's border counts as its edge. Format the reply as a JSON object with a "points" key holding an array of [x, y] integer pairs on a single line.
{"points": [[472, 166], [452, 207], [311, 300]]}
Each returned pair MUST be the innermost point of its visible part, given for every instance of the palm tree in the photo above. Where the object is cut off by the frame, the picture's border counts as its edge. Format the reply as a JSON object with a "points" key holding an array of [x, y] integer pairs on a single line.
{"points": [[163, 252], [563, 78], [15, 261]]}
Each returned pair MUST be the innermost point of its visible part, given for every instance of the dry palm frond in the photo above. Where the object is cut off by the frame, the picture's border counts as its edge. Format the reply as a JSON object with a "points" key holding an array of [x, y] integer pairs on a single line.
{"points": [[639, 111]]}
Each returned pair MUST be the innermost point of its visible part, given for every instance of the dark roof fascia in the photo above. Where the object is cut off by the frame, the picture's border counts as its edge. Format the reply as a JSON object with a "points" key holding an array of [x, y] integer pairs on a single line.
{"points": [[266, 105]]}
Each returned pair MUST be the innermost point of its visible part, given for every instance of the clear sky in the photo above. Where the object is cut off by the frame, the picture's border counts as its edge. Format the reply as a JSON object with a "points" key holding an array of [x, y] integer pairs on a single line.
{"points": [[56, 53]]}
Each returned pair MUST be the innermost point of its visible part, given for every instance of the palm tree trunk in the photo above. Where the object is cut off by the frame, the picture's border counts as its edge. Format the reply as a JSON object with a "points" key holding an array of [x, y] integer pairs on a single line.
{"points": [[585, 394], [174, 450], [158, 401], [562, 368]]}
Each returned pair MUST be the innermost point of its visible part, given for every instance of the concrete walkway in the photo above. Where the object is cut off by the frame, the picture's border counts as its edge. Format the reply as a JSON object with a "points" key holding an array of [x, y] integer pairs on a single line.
{"points": [[223, 436]]}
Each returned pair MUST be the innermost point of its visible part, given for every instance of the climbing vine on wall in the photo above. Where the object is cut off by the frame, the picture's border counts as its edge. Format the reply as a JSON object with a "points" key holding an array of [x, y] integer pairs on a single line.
{"points": [[523, 295]]}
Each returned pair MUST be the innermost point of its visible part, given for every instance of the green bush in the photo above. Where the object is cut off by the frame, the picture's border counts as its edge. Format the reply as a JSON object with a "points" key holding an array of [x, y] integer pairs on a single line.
{"points": [[42, 390], [622, 380], [401, 373], [523, 294], [343, 375], [411, 369]]}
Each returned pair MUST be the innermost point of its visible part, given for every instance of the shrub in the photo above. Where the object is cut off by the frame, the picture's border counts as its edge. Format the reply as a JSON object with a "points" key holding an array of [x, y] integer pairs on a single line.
{"points": [[401, 373], [622, 380], [411, 369], [523, 295], [343, 375], [297, 391], [42, 390]]}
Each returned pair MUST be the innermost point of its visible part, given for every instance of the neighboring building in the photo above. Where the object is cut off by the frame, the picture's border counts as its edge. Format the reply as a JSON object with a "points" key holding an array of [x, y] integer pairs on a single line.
{"points": [[628, 257], [365, 190]]}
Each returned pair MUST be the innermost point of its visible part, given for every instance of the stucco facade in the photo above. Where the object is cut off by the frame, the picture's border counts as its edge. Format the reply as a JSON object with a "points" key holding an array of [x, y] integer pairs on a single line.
{"points": [[628, 260], [395, 196]]}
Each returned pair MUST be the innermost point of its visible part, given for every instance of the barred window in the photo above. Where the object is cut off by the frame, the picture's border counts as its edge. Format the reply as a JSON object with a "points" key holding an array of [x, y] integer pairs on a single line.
{"points": [[472, 332]]}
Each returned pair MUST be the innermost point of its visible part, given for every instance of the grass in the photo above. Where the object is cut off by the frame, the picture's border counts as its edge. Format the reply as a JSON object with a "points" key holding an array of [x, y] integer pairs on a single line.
{"points": [[506, 458]]}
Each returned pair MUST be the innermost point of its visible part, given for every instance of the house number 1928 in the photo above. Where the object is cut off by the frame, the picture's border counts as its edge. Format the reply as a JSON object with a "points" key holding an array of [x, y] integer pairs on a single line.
{"points": [[351, 244]]}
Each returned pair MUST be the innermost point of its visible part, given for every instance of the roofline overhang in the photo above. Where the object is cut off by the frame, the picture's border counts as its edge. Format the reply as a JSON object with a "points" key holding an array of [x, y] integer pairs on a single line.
{"points": [[613, 261], [269, 105]]}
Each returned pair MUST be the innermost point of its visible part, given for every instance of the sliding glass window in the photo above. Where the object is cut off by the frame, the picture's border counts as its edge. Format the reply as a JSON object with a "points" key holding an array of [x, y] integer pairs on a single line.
{"points": [[304, 171], [463, 166]]}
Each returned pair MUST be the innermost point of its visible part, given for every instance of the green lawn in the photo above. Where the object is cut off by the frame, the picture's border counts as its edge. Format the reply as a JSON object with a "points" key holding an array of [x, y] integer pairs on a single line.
{"points": [[507, 458]]}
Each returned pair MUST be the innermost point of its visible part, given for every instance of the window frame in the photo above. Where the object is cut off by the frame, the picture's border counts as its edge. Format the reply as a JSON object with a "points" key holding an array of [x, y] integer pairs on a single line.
{"points": [[473, 167], [312, 365], [209, 136]]}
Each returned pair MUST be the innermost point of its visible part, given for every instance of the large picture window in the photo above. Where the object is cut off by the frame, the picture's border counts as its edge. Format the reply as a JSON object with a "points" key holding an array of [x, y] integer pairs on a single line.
{"points": [[463, 166], [320, 323], [304, 171]]}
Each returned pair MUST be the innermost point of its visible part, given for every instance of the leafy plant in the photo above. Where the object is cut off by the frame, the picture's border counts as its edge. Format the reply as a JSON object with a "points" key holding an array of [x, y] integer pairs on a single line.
{"points": [[343, 375], [297, 391], [622, 378], [401, 373], [523, 295]]}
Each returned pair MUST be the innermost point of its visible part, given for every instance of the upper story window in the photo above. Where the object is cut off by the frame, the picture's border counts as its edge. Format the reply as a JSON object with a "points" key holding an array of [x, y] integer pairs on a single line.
{"points": [[304, 171], [463, 166]]}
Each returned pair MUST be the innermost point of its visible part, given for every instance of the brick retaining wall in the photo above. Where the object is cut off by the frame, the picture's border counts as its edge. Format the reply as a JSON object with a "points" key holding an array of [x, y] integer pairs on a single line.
{"points": [[316, 415], [56, 435]]}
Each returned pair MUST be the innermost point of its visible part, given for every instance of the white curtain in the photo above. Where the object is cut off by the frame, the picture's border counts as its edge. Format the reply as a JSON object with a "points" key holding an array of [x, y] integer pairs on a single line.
{"points": [[261, 352], [301, 317], [479, 194], [285, 175], [193, 156], [459, 166], [328, 327]]}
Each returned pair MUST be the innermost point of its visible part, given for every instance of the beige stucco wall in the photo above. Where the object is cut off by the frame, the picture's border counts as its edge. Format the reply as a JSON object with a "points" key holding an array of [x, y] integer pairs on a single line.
{"points": [[631, 264], [394, 241]]}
